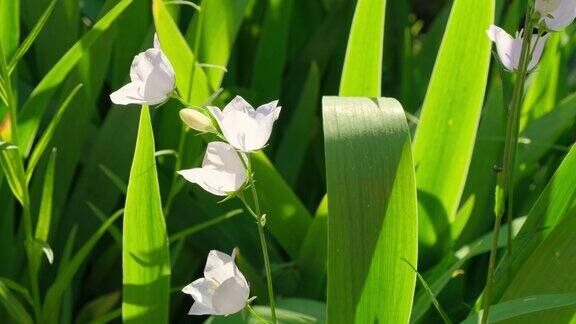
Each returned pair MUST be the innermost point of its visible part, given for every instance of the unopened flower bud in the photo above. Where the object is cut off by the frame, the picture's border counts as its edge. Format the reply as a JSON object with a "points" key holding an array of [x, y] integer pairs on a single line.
{"points": [[197, 120]]}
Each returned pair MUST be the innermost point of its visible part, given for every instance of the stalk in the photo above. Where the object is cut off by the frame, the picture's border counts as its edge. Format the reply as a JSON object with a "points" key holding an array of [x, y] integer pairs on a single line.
{"points": [[504, 203], [260, 221]]}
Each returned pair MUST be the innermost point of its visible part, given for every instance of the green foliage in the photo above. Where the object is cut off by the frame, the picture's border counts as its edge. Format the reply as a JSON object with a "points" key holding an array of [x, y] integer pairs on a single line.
{"points": [[68, 162], [145, 254], [372, 194], [451, 116]]}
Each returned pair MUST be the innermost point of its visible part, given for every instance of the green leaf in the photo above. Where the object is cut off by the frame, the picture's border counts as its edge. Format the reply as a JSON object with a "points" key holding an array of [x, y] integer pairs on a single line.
{"points": [[545, 83], [361, 74], [202, 226], [221, 23], [372, 190], [288, 311], [33, 109], [526, 305], [50, 311], [441, 274], [541, 134], [272, 50], [313, 254], [25, 46], [13, 306], [549, 270], [288, 219], [46, 138], [450, 116], [296, 138], [145, 253], [114, 230], [191, 80], [9, 27], [548, 212], [11, 164]]}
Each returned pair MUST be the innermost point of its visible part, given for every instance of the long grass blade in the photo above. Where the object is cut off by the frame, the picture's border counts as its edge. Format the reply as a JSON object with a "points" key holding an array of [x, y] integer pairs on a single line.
{"points": [[145, 252]]}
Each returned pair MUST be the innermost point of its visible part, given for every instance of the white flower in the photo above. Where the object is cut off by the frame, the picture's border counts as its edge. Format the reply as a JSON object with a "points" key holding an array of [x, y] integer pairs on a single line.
{"points": [[222, 291], [244, 127], [544, 7], [152, 79], [562, 16], [510, 49], [222, 171], [196, 120]]}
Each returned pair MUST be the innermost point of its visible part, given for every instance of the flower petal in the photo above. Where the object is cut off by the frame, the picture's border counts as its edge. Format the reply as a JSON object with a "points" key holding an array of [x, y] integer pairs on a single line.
{"points": [[505, 46], [128, 94], [202, 290], [563, 16], [219, 267], [238, 104], [222, 171], [537, 50], [230, 297]]}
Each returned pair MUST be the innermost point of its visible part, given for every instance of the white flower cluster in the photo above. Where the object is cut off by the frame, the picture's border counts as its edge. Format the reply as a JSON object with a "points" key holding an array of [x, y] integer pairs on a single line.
{"points": [[243, 129], [552, 15]]}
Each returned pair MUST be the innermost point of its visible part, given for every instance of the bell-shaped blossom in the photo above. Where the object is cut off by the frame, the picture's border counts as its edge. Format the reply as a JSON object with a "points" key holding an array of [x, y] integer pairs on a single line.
{"points": [[222, 171], [562, 16], [222, 291], [151, 79], [510, 49], [544, 7], [197, 120], [246, 128]]}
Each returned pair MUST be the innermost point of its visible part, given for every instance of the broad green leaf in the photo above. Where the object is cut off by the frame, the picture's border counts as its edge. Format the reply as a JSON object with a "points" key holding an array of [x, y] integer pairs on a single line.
{"points": [[296, 138], [52, 303], [549, 270], [25, 46], [34, 108], [372, 190], [313, 254], [445, 136], [271, 51], [191, 80], [44, 141], [361, 74], [548, 212], [145, 253], [221, 23], [13, 306], [514, 309]]}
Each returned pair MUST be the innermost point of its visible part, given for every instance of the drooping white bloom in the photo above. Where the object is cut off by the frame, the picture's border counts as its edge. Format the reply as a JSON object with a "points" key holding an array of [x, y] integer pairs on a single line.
{"points": [[562, 16], [246, 128], [151, 79], [222, 291], [222, 171], [196, 120], [544, 7], [510, 49]]}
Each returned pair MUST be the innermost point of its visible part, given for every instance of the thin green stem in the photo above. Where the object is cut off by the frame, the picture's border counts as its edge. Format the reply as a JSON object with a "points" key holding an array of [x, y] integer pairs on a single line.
{"points": [[505, 191], [260, 222], [258, 317]]}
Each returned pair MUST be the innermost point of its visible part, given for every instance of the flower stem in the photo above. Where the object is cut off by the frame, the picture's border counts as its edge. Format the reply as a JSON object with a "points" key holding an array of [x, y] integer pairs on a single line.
{"points": [[260, 222], [505, 189]]}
